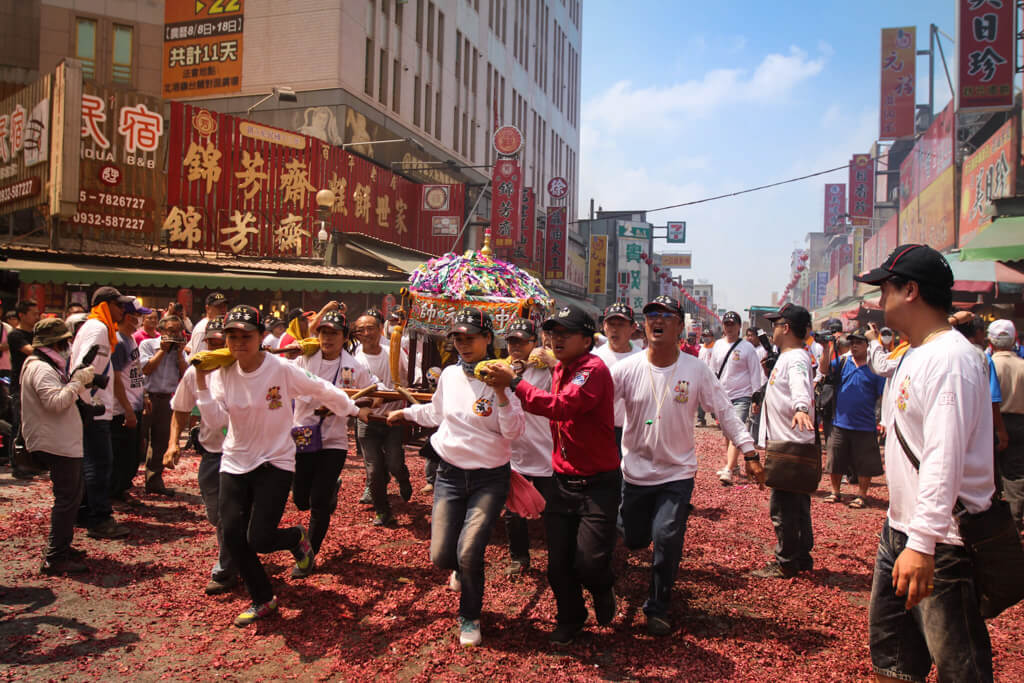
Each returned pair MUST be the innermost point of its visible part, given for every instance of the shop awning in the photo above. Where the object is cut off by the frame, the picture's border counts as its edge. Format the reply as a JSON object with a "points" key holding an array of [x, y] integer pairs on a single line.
{"points": [[1001, 241], [397, 257], [565, 299], [982, 276], [67, 273]]}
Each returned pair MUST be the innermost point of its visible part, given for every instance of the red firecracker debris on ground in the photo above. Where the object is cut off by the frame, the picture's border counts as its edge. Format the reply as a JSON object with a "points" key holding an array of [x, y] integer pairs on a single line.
{"points": [[377, 609]]}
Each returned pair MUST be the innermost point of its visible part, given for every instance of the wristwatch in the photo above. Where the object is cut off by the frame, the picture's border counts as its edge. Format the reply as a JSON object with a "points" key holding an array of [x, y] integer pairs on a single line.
{"points": [[802, 409], [753, 457], [514, 383]]}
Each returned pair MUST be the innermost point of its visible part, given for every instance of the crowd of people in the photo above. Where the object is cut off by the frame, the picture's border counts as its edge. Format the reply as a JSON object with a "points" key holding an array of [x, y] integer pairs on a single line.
{"points": [[598, 422]]}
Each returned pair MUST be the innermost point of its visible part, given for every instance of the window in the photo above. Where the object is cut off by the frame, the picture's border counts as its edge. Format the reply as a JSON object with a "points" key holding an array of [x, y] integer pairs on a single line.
{"points": [[440, 37], [396, 85], [85, 46], [472, 141], [437, 115], [419, 22], [465, 132], [368, 75], [122, 61], [455, 129], [427, 109], [430, 28], [382, 90], [417, 104]]}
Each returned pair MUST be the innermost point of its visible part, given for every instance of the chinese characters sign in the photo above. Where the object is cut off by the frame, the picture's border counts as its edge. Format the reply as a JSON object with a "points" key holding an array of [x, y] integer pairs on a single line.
{"points": [[523, 250], [202, 47], [557, 243], [899, 70], [24, 145], [989, 173], [632, 286], [677, 260], [250, 190], [927, 186], [598, 281], [835, 200], [862, 189], [506, 202], [434, 315], [985, 40]]}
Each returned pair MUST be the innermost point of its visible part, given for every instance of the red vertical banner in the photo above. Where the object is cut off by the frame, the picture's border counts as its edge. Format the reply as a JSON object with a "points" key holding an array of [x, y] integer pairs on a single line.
{"points": [[985, 43], [522, 253], [557, 245], [506, 201], [899, 69], [540, 240], [862, 189], [835, 200]]}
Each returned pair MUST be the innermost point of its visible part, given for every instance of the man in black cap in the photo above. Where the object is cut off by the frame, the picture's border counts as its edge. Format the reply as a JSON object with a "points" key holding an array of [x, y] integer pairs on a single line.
{"points": [[788, 415], [583, 501], [938, 464], [216, 307], [618, 323], [108, 306], [734, 361]]}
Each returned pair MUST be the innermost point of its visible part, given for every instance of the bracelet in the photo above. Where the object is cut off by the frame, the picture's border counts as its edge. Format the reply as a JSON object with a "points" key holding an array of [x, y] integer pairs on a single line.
{"points": [[752, 458], [503, 405]]}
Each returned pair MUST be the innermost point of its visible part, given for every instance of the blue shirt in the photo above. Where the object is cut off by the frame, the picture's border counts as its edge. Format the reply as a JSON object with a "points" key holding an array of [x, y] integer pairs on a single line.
{"points": [[993, 382], [858, 390], [163, 380]]}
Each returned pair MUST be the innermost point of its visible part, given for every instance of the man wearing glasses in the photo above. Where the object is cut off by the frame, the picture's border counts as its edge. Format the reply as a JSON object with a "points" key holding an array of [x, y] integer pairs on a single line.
{"points": [[734, 361], [583, 501]]}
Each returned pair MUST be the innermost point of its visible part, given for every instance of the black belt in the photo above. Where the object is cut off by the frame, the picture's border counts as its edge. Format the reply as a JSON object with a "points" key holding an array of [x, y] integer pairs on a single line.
{"points": [[160, 394], [576, 482]]}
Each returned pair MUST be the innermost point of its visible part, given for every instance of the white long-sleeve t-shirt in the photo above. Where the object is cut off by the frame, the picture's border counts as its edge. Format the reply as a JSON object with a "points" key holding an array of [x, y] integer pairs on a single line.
{"points": [[211, 435], [742, 374], [257, 408], [474, 432], [345, 372], [941, 400], [663, 450], [531, 453], [379, 367], [789, 388], [610, 359]]}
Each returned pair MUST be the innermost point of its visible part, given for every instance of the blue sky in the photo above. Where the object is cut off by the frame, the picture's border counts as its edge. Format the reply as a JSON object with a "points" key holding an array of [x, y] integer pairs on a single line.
{"points": [[684, 100]]}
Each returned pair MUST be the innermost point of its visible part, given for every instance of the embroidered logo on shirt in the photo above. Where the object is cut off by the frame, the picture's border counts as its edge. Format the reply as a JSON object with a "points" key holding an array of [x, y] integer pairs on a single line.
{"points": [[581, 378], [347, 377], [274, 398], [904, 394], [682, 391], [775, 373], [736, 355], [482, 407]]}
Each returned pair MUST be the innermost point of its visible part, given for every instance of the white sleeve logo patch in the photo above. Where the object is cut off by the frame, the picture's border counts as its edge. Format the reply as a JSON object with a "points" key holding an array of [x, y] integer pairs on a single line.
{"points": [[947, 398]]}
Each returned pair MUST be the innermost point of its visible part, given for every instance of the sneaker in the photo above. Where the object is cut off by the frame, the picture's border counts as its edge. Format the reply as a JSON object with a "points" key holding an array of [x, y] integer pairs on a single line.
{"points": [[366, 498], [517, 566], [405, 490], [454, 583], [159, 489], [76, 554], [564, 634], [429, 488], [303, 552], [469, 632], [387, 520], [215, 587], [300, 573], [725, 476], [108, 528], [23, 474], [774, 571], [254, 612], [65, 566], [604, 607], [658, 626]]}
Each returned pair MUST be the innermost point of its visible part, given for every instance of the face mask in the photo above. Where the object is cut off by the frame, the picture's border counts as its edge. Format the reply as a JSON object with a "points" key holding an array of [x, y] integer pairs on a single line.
{"points": [[886, 338]]}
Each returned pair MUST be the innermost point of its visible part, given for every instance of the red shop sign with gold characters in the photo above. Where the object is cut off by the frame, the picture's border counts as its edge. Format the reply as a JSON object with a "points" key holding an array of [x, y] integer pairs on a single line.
{"points": [[239, 187], [506, 202]]}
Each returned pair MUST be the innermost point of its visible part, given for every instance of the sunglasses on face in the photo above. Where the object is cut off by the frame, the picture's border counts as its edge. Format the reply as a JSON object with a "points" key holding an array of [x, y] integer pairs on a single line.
{"points": [[660, 315]]}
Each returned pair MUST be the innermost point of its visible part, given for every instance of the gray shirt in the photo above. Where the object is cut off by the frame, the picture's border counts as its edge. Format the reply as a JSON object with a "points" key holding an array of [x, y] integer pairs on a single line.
{"points": [[163, 380]]}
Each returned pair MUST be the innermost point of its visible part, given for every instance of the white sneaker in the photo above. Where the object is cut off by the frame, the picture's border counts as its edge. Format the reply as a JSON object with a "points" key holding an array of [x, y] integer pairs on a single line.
{"points": [[725, 476], [469, 632], [454, 584]]}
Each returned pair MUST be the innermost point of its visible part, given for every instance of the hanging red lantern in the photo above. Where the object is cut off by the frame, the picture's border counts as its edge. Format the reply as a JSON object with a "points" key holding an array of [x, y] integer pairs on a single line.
{"points": [[657, 269]]}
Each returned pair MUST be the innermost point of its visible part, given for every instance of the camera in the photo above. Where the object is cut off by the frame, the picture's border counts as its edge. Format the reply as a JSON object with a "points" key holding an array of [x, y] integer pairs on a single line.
{"points": [[98, 381], [772, 356]]}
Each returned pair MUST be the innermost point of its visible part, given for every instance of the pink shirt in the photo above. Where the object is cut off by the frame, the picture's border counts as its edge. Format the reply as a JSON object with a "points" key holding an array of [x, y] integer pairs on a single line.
{"points": [[140, 334]]}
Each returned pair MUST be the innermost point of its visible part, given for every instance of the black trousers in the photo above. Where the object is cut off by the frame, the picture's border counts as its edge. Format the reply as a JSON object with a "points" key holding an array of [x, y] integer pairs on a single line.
{"points": [[251, 506], [126, 445], [791, 517], [516, 528], [580, 521], [315, 488], [68, 489]]}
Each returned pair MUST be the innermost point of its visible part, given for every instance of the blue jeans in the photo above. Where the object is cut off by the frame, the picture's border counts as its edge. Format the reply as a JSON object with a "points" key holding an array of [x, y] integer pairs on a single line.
{"points": [[657, 513], [383, 455], [741, 408], [945, 628], [96, 464], [791, 517], [467, 503]]}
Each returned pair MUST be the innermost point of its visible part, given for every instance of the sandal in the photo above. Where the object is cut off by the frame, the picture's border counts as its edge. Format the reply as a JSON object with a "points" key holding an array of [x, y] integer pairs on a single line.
{"points": [[857, 503], [834, 498]]}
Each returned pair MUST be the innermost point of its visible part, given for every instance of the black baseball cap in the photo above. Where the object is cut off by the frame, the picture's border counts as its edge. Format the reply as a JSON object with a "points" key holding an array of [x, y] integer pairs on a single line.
{"points": [[797, 315], [572, 318], [214, 328], [619, 310], [334, 319], [664, 303], [917, 262], [856, 336], [107, 294], [523, 328], [834, 325], [731, 317], [215, 299], [243, 318], [471, 320]]}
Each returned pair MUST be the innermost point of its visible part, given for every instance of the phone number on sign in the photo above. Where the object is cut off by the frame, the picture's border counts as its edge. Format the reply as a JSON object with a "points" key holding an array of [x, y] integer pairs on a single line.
{"points": [[105, 199], [89, 218]]}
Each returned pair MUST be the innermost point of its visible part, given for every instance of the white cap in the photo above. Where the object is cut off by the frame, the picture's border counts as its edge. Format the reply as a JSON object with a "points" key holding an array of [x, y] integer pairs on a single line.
{"points": [[1002, 331]]}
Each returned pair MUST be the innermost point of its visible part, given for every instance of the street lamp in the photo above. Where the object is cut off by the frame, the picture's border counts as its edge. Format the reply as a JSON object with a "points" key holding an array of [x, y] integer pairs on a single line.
{"points": [[324, 200], [283, 93]]}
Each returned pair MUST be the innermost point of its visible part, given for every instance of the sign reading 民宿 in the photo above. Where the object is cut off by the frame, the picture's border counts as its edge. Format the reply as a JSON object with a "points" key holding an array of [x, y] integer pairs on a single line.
{"points": [[25, 146], [202, 47]]}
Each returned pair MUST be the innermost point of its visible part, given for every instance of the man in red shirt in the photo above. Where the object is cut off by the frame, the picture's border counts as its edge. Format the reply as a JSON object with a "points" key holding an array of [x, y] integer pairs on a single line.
{"points": [[690, 345], [582, 509]]}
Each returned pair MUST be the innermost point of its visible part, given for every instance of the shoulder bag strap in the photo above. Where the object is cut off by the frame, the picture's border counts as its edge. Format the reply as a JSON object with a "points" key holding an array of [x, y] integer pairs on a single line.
{"points": [[334, 383], [729, 353]]}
